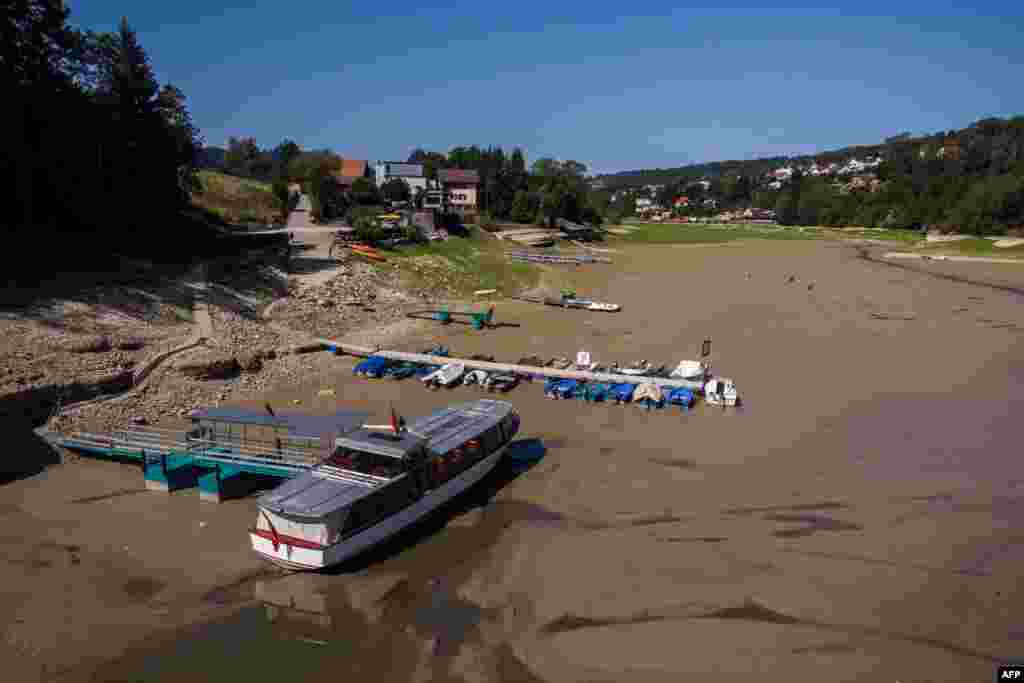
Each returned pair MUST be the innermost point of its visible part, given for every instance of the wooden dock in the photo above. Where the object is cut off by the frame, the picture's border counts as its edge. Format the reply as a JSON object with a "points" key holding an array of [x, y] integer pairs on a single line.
{"points": [[556, 258], [580, 375]]}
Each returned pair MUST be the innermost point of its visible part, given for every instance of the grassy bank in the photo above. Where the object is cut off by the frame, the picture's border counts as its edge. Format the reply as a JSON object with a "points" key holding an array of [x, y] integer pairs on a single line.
{"points": [[464, 264], [236, 200], [675, 233], [976, 246]]}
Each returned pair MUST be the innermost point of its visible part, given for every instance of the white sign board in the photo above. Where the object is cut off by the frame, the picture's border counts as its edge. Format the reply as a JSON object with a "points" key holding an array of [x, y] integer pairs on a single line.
{"points": [[462, 197]]}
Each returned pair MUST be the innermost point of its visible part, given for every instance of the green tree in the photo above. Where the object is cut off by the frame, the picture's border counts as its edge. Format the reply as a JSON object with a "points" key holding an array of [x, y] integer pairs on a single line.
{"points": [[523, 209], [396, 190], [364, 192], [284, 197]]}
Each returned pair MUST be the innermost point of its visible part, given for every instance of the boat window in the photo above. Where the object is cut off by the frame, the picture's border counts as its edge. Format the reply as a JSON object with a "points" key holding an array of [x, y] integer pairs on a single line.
{"points": [[366, 463], [385, 502]]}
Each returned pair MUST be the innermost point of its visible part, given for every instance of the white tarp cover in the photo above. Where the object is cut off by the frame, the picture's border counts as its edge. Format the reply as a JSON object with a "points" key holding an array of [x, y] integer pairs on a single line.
{"points": [[647, 390], [322, 532], [689, 369]]}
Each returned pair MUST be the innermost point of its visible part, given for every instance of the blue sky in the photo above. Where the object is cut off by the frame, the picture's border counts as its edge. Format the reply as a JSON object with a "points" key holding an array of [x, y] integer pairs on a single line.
{"points": [[666, 86]]}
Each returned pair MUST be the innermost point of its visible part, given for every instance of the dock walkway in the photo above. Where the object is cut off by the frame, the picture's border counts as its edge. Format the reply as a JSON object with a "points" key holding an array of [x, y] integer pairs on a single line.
{"points": [[171, 461]]}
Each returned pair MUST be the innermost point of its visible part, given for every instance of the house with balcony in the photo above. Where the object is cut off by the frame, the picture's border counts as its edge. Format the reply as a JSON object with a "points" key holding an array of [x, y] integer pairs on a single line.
{"points": [[459, 188]]}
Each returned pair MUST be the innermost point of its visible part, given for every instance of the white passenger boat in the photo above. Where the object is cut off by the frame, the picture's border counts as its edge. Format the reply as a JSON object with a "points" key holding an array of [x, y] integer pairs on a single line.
{"points": [[378, 482]]}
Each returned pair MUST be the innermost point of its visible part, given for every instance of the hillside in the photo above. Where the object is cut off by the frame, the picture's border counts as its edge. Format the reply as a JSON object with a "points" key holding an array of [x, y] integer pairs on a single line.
{"points": [[236, 200], [969, 180], [974, 134]]}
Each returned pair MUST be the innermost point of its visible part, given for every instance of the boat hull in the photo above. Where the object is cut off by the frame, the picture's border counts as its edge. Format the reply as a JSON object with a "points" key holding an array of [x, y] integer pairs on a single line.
{"points": [[309, 559]]}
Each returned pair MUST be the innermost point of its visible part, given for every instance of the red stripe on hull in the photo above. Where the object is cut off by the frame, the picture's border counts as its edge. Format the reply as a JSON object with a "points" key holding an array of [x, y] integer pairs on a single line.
{"points": [[287, 540]]}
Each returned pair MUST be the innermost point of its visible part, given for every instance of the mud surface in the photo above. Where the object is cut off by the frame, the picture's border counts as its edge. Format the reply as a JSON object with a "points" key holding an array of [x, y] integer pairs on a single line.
{"points": [[859, 519]]}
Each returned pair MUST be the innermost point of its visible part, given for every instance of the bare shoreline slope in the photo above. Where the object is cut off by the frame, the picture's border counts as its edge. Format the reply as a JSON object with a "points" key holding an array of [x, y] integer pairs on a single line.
{"points": [[859, 516]]}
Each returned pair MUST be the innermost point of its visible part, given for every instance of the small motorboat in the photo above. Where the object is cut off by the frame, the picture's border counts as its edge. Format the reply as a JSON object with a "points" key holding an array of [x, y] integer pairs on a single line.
{"points": [[567, 388], [721, 391], [691, 371], [422, 371], [606, 307], [373, 367], [623, 393], [639, 368], [650, 395], [503, 382], [559, 363], [591, 305], [596, 391], [477, 377], [449, 375], [682, 397], [401, 370], [368, 252], [549, 386]]}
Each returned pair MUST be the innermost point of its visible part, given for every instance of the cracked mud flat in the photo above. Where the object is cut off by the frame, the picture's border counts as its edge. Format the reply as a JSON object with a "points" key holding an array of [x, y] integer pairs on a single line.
{"points": [[859, 519]]}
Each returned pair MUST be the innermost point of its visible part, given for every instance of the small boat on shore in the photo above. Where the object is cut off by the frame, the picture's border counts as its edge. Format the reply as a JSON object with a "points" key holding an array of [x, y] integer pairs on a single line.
{"points": [[638, 369], [368, 252], [477, 377], [448, 375], [721, 391], [591, 305], [376, 483], [649, 395]]}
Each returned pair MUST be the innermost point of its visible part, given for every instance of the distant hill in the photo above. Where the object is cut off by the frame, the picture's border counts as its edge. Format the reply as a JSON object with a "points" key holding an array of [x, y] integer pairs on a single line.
{"points": [[747, 167], [969, 180]]}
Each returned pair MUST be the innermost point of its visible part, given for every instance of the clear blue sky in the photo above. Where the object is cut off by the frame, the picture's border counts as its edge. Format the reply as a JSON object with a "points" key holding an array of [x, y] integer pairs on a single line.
{"points": [[661, 85]]}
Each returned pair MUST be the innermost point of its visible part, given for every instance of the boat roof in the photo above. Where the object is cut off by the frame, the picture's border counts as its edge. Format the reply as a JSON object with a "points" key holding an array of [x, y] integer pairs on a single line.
{"points": [[455, 425], [299, 425], [318, 492]]}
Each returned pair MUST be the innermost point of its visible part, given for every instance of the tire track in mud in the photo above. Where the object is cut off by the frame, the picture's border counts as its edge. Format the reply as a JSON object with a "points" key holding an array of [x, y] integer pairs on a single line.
{"points": [[754, 612]]}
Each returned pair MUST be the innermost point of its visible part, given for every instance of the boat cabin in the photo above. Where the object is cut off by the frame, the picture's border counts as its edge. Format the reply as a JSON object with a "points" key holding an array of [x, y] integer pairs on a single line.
{"points": [[259, 433]]}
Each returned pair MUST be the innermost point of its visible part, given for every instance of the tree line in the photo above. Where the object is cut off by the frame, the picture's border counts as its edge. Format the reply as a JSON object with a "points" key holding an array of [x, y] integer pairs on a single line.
{"points": [[99, 147], [969, 181]]}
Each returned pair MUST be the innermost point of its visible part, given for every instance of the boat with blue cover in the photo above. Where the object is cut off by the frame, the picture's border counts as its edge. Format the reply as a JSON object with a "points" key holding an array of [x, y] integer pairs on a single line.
{"points": [[681, 397], [623, 393]]}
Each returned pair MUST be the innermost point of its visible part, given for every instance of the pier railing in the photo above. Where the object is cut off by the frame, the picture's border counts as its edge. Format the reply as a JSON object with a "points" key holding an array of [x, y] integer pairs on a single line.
{"points": [[156, 441]]}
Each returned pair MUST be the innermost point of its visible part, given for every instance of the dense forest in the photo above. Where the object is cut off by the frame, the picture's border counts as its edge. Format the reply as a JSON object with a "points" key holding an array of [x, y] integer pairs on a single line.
{"points": [[99, 148]]}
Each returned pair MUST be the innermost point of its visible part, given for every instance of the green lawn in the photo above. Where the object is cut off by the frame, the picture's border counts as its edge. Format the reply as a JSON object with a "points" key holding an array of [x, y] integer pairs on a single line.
{"points": [[670, 233], [977, 246], [475, 262], [673, 233]]}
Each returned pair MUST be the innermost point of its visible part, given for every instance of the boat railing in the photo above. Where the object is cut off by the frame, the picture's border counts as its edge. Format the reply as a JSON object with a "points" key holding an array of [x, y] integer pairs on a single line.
{"points": [[165, 441], [351, 476]]}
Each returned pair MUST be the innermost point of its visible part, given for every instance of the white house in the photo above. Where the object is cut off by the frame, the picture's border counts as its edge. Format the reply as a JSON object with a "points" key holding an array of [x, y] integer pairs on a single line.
{"points": [[411, 174]]}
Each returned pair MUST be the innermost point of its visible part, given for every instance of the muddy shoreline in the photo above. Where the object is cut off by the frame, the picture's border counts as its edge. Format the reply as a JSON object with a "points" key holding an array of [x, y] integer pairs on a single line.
{"points": [[859, 516]]}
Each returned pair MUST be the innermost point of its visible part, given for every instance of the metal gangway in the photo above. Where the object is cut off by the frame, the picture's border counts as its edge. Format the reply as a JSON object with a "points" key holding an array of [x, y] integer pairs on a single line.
{"points": [[173, 460]]}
